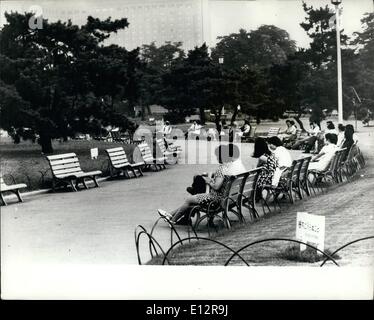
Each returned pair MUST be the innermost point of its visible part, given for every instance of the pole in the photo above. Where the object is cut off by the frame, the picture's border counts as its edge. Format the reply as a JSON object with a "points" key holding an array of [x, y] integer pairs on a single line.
{"points": [[339, 65]]}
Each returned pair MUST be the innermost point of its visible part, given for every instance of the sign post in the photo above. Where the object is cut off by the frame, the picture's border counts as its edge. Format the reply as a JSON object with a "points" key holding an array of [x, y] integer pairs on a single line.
{"points": [[310, 228]]}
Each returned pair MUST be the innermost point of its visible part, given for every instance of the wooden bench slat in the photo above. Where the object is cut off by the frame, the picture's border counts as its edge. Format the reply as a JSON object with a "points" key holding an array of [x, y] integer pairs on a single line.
{"points": [[66, 166], [114, 149], [118, 157], [61, 156], [5, 187], [69, 160], [120, 162]]}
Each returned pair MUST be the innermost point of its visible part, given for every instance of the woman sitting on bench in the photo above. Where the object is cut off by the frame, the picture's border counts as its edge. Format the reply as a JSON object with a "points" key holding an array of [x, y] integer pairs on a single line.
{"points": [[230, 164]]}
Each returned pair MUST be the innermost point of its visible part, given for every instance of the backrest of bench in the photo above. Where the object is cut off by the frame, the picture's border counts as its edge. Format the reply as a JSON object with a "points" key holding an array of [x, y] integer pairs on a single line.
{"points": [[2, 183], [304, 168], [145, 151], [161, 144], [249, 186], [273, 132], [252, 131], [298, 133], [234, 187], [116, 135], [297, 170], [117, 157], [64, 164]]}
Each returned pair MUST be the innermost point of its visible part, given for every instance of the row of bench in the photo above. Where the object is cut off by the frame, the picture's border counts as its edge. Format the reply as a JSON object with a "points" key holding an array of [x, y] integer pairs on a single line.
{"points": [[66, 169], [294, 182], [240, 197]]}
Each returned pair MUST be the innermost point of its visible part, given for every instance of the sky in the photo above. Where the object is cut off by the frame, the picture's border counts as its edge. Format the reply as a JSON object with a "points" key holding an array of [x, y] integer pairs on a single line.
{"points": [[227, 16]]}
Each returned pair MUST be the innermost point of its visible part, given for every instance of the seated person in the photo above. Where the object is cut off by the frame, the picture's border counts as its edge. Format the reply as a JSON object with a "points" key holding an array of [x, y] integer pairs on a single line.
{"points": [[234, 132], [166, 129], [290, 132], [330, 128], [268, 162], [282, 155], [341, 129], [230, 164], [321, 161], [194, 130], [348, 140], [246, 128], [309, 141]]}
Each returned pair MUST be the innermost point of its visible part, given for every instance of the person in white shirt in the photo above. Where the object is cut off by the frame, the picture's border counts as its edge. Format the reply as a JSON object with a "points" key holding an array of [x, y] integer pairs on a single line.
{"points": [[283, 156], [309, 141], [194, 130], [166, 129], [289, 133], [330, 128], [321, 161], [341, 129]]}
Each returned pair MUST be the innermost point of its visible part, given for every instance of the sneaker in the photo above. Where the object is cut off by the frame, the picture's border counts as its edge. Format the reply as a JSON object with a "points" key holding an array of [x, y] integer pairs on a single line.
{"points": [[165, 215]]}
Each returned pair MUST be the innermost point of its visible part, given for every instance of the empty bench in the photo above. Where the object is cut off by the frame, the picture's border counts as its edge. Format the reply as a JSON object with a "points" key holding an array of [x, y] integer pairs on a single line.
{"points": [[149, 160], [119, 163], [14, 188], [66, 170]]}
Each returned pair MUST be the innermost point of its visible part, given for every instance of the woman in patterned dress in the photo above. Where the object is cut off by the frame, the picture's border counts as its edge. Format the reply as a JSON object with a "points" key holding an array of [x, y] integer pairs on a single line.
{"points": [[267, 161], [228, 165]]}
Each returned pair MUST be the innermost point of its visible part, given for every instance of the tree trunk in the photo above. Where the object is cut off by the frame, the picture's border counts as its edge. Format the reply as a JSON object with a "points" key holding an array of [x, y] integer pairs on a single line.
{"points": [[46, 143], [233, 118], [297, 118], [202, 115]]}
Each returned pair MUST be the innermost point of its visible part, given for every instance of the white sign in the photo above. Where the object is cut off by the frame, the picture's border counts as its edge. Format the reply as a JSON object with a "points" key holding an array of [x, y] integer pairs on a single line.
{"points": [[310, 228], [94, 153]]}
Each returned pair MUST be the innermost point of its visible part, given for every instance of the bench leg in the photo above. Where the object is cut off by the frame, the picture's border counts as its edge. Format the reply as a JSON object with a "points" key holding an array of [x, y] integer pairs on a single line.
{"points": [[72, 185], [133, 171], [84, 183], [95, 181], [140, 171], [18, 195], [2, 199]]}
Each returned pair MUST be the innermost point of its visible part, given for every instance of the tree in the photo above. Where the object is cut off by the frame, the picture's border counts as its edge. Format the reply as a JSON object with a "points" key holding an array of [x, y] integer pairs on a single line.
{"points": [[364, 43], [198, 82], [61, 77], [156, 62], [251, 55], [320, 84], [255, 49]]}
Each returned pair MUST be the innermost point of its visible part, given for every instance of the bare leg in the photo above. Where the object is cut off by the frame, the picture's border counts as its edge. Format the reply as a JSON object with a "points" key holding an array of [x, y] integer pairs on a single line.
{"points": [[178, 213]]}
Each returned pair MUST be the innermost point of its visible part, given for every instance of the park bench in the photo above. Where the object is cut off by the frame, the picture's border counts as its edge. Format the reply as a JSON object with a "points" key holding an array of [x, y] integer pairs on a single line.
{"points": [[118, 136], [66, 170], [119, 163], [251, 136], [149, 160], [248, 192], [331, 173], [303, 177], [239, 192], [170, 154], [272, 132], [14, 188]]}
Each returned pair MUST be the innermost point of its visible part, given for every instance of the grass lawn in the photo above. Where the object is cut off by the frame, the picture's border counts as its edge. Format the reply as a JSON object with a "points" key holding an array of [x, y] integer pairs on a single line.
{"points": [[26, 163]]}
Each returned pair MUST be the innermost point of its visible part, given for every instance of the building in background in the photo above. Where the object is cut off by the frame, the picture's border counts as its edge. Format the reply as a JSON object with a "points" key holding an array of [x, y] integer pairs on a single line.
{"points": [[150, 20]]}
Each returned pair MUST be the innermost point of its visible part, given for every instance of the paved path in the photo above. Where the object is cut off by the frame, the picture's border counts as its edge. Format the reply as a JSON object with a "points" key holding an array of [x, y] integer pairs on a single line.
{"points": [[97, 226]]}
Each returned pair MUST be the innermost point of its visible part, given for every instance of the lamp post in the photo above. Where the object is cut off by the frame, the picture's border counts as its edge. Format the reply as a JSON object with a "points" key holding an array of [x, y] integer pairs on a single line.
{"points": [[339, 60]]}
